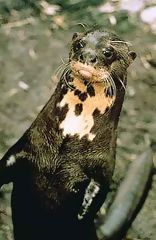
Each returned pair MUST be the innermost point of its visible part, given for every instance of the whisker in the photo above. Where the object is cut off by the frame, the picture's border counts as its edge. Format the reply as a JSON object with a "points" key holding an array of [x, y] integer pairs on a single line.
{"points": [[110, 87], [62, 60], [61, 68], [127, 43], [120, 80], [65, 80], [111, 82], [122, 84], [65, 71], [63, 64], [108, 84], [57, 69]]}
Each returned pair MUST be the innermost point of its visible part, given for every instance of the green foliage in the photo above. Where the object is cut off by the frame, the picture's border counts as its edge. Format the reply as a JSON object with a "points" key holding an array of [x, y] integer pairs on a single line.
{"points": [[75, 5]]}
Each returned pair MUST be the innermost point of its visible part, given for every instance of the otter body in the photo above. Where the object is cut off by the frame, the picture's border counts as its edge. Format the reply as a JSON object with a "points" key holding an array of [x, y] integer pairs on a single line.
{"points": [[71, 143]]}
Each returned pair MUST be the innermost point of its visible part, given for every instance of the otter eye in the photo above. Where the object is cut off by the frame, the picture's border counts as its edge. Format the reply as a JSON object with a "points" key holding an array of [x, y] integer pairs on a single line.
{"points": [[78, 45], [108, 53]]}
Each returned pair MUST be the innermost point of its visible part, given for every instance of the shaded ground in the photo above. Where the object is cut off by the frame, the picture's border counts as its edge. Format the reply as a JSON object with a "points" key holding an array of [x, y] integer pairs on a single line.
{"points": [[32, 44]]}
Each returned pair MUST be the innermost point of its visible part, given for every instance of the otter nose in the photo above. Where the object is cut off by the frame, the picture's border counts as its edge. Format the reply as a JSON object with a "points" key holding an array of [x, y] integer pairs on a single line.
{"points": [[88, 57]]}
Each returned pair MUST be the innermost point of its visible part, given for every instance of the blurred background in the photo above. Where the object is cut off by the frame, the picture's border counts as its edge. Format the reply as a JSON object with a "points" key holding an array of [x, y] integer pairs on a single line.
{"points": [[34, 40]]}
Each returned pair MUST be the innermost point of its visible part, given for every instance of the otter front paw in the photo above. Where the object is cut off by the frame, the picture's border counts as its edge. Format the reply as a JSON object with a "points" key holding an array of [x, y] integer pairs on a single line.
{"points": [[91, 192]]}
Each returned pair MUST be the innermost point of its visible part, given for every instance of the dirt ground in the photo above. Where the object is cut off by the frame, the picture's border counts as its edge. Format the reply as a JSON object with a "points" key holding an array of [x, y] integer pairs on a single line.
{"points": [[32, 46]]}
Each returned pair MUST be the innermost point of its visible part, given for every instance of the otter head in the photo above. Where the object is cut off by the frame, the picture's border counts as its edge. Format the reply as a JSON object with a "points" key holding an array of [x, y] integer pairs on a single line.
{"points": [[100, 57]]}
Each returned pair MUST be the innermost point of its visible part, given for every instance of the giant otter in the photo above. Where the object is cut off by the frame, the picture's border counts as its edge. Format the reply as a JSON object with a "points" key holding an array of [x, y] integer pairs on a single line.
{"points": [[62, 166]]}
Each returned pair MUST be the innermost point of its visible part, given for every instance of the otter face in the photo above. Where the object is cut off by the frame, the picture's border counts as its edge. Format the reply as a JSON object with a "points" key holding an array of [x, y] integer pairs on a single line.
{"points": [[98, 56]]}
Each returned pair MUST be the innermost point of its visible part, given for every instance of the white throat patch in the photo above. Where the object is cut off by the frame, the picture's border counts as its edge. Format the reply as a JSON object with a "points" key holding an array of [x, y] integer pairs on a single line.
{"points": [[81, 125]]}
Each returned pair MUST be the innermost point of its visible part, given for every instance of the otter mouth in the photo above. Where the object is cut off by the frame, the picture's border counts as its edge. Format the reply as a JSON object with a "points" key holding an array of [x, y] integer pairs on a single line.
{"points": [[86, 72]]}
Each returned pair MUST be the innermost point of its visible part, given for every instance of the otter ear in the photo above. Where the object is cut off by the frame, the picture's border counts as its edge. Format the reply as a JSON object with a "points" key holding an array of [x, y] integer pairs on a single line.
{"points": [[75, 35], [132, 55]]}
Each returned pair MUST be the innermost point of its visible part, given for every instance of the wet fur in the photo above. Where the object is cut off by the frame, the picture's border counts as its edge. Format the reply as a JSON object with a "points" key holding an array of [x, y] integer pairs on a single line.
{"points": [[52, 170]]}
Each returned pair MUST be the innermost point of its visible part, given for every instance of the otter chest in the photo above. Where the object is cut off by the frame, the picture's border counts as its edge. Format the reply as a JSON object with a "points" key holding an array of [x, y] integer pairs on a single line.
{"points": [[81, 104]]}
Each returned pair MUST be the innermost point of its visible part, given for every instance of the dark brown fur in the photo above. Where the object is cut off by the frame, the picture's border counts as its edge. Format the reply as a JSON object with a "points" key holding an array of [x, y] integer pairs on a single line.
{"points": [[52, 169]]}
